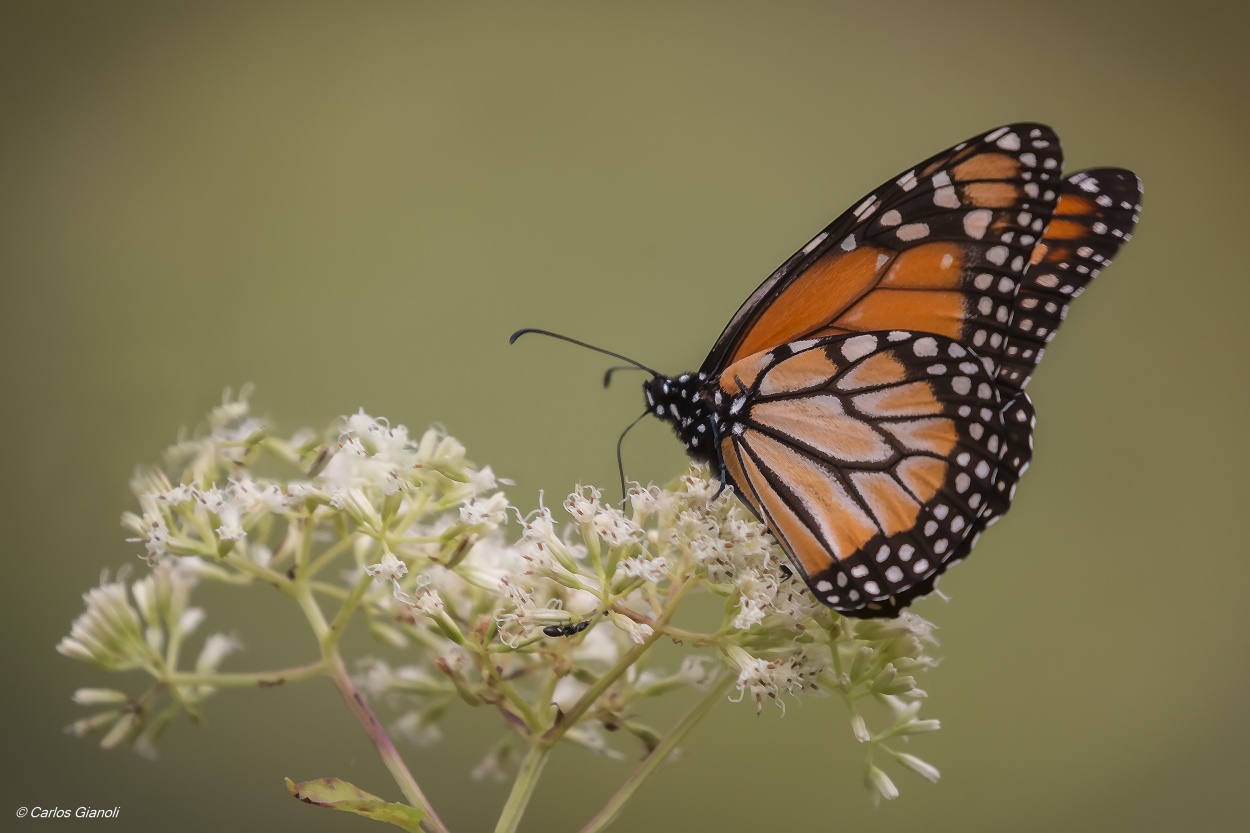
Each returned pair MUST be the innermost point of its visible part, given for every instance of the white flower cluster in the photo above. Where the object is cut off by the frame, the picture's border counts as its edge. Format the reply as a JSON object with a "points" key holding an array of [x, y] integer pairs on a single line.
{"points": [[552, 628], [144, 629]]}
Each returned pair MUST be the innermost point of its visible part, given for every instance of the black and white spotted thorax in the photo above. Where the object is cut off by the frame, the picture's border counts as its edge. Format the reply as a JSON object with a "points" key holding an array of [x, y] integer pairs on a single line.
{"points": [[691, 403]]}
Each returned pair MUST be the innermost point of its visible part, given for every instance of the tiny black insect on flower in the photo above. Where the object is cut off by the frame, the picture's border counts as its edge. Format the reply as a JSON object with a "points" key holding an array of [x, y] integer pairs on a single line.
{"points": [[566, 630]]}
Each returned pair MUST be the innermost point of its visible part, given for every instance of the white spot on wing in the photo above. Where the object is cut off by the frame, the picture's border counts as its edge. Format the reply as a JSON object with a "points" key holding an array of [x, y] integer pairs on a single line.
{"points": [[866, 207], [859, 346], [912, 231], [976, 222], [814, 242], [925, 347], [946, 197]]}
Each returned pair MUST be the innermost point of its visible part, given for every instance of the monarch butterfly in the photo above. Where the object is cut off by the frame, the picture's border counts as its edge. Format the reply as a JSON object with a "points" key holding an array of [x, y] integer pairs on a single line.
{"points": [[867, 400]]}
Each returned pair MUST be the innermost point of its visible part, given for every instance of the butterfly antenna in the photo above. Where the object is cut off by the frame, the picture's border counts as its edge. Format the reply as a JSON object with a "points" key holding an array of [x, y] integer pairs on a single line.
{"points": [[620, 463], [607, 374], [512, 340]]}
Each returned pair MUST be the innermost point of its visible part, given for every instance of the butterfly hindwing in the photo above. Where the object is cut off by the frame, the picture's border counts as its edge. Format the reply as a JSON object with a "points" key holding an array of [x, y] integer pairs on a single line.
{"points": [[939, 249], [871, 457], [1018, 424]]}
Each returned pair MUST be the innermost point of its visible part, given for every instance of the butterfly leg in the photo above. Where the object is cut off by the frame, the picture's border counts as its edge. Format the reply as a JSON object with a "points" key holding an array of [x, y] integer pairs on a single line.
{"points": [[720, 461]]}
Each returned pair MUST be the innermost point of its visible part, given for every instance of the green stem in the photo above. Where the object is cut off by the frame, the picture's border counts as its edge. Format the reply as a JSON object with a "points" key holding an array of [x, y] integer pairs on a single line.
{"points": [[342, 680], [263, 679], [349, 607], [253, 570], [608, 813], [693, 637], [382, 742], [329, 554], [588, 698], [523, 787], [614, 673]]}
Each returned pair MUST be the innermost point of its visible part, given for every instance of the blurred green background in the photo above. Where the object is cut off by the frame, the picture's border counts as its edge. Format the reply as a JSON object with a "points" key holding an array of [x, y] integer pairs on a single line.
{"points": [[353, 205]]}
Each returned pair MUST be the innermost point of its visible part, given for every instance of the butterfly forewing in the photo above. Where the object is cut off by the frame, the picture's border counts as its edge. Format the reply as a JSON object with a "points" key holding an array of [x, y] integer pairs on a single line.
{"points": [[871, 457], [939, 249], [1095, 216]]}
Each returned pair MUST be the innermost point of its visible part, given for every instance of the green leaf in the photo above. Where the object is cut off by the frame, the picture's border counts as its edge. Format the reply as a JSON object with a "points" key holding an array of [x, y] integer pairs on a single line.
{"points": [[337, 794]]}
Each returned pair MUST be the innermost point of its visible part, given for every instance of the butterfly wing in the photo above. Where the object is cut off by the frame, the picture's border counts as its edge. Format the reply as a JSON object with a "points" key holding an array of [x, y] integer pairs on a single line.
{"points": [[1095, 216], [939, 249], [870, 457]]}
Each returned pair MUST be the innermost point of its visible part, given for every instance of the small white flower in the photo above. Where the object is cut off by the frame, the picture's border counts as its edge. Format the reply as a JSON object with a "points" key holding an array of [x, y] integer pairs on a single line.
{"points": [[491, 511], [637, 631], [190, 620], [582, 504], [750, 613], [613, 527], [152, 531], [693, 672], [427, 602], [540, 527], [495, 765], [859, 728], [217, 647], [415, 729], [652, 570], [211, 499], [589, 736], [644, 502], [389, 569], [251, 496], [231, 528], [437, 450], [483, 480], [879, 785], [100, 697], [598, 649], [921, 767], [567, 692], [178, 495], [517, 595], [755, 678]]}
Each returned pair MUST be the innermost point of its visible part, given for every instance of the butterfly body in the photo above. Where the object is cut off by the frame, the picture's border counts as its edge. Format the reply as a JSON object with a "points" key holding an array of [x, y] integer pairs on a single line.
{"points": [[690, 404], [867, 401]]}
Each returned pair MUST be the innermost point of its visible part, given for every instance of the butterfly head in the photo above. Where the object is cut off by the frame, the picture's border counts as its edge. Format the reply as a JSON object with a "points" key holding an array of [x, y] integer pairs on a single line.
{"points": [[687, 403]]}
